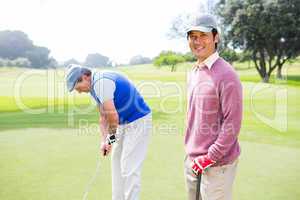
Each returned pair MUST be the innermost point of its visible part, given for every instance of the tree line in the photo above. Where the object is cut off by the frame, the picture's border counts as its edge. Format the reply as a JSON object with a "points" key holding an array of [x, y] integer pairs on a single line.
{"points": [[172, 59], [17, 49]]}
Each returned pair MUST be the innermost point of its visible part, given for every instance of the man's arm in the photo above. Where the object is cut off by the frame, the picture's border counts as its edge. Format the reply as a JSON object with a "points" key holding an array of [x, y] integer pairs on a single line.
{"points": [[104, 89], [111, 116], [108, 122], [102, 123], [231, 106], [231, 101]]}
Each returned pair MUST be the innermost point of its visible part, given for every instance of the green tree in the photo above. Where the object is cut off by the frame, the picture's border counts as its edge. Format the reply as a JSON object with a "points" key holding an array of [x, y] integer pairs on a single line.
{"points": [[268, 29], [168, 58], [229, 55], [19, 50], [53, 63], [97, 60], [189, 57], [71, 61], [39, 57], [139, 59], [14, 44], [245, 56]]}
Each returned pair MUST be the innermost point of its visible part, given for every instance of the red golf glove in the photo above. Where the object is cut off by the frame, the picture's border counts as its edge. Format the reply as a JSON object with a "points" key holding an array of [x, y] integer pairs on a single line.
{"points": [[201, 164]]}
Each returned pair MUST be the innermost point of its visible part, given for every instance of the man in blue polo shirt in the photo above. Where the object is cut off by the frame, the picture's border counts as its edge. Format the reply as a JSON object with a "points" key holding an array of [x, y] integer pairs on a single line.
{"points": [[125, 123]]}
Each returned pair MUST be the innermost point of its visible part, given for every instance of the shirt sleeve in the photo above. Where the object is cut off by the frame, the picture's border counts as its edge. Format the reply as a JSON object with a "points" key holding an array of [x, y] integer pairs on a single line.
{"points": [[231, 106], [104, 89]]}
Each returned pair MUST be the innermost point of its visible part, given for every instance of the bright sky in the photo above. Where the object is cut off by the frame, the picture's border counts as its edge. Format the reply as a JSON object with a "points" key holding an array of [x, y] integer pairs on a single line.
{"points": [[118, 29]]}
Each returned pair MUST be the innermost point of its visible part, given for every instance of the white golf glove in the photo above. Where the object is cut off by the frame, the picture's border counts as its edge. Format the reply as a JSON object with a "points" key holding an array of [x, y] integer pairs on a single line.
{"points": [[110, 139]]}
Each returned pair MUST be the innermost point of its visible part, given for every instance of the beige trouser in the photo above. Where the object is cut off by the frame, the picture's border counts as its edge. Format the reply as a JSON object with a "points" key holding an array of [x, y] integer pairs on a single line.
{"points": [[216, 182]]}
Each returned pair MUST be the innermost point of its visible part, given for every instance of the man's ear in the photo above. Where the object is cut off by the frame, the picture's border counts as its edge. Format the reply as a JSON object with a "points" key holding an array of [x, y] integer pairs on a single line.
{"points": [[217, 38]]}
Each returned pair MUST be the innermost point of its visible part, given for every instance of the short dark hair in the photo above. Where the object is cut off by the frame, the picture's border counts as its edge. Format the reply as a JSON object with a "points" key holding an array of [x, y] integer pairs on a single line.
{"points": [[215, 32], [85, 71]]}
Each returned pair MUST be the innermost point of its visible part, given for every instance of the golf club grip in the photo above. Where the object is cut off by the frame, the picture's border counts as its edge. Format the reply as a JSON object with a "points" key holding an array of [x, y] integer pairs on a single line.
{"points": [[105, 152], [198, 186]]}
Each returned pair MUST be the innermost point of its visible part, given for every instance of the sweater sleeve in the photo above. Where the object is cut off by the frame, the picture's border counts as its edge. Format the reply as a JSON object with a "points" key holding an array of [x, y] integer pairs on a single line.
{"points": [[231, 98]]}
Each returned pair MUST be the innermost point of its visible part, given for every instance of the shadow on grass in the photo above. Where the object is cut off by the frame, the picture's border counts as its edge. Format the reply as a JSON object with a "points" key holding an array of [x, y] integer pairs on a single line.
{"points": [[295, 78], [19, 120], [292, 80]]}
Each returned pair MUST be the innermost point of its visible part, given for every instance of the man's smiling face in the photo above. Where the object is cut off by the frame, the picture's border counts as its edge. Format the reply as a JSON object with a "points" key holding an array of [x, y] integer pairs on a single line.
{"points": [[202, 44]]}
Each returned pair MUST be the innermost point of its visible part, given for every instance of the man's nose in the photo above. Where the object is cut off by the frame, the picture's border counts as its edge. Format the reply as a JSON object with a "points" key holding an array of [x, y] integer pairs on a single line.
{"points": [[197, 41]]}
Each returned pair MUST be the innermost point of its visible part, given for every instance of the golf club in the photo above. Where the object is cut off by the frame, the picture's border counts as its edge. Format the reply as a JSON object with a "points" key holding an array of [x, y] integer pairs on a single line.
{"points": [[92, 181]]}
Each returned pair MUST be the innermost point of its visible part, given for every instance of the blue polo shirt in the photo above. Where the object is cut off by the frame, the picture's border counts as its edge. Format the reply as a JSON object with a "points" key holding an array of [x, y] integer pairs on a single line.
{"points": [[129, 103]]}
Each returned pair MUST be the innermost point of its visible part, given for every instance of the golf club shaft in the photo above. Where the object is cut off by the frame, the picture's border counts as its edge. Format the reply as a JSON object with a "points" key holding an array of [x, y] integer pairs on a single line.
{"points": [[198, 186]]}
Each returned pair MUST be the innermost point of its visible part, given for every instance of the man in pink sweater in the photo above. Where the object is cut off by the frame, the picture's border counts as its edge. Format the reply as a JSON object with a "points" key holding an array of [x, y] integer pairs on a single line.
{"points": [[214, 116]]}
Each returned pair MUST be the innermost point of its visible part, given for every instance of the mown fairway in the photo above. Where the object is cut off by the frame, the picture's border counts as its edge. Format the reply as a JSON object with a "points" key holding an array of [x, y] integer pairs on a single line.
{"points": [[50, 150]]}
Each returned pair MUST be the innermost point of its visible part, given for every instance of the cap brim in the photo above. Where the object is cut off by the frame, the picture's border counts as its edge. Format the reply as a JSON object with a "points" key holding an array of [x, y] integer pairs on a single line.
{"points": [[72, 78], [71, 87], [200, 28]]}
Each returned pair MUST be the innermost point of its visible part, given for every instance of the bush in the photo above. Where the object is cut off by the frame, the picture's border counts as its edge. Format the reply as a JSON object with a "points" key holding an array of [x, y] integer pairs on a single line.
{"points": [[189, 57], [19, 62], [245, 56], [229, 55], [2, 62], [22, 62]]}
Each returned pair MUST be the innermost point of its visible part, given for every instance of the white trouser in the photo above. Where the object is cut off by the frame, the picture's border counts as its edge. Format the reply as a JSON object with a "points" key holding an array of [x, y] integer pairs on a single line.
{"points": [[128, 155]]}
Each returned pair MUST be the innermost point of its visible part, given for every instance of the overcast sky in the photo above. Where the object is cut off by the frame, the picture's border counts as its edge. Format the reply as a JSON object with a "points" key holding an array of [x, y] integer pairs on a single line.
{"points": [[118, 29]]}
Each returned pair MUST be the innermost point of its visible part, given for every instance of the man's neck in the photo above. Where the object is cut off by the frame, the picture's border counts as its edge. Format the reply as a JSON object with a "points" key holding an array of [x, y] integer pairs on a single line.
{"points": [[201, 60]]}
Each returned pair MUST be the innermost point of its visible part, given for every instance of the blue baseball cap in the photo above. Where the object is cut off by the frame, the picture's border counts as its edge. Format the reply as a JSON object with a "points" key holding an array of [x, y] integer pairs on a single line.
{"points": [[74, 72]]}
